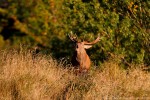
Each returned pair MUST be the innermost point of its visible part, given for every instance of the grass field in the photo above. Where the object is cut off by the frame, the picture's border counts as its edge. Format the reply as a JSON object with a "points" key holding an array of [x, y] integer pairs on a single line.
{"points": [[24, 76]]}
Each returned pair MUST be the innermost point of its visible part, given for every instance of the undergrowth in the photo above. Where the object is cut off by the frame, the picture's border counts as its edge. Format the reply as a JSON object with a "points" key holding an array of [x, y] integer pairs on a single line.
{"points": [[28, 76]]}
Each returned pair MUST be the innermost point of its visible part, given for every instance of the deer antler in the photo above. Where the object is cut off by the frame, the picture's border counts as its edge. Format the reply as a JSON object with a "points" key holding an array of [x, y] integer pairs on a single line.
{"points": [[93, 42], [73, 38]]}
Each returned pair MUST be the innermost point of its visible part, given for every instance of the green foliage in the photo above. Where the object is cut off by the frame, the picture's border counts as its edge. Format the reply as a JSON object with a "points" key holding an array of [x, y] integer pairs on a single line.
{"points": [[124, 27], [122, 24]]}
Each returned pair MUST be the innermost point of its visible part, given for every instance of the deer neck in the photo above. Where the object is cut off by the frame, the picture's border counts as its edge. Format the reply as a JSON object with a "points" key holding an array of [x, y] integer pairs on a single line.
{"points": [[81, 56]]}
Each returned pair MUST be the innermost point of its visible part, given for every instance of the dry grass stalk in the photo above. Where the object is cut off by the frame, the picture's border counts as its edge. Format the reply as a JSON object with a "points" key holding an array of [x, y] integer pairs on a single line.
{"points": [[27, 77]]}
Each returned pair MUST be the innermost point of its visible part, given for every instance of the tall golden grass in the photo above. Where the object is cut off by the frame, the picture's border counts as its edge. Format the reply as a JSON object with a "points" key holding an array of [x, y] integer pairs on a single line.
{"points": [[24, 76]]}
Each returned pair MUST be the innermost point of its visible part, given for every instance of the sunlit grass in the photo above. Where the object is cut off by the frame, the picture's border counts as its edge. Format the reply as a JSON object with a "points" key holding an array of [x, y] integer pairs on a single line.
{"points": [[24, 76]]}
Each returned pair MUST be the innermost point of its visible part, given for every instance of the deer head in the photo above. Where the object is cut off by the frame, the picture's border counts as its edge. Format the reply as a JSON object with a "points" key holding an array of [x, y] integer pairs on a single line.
{"points": [[80, 59]]}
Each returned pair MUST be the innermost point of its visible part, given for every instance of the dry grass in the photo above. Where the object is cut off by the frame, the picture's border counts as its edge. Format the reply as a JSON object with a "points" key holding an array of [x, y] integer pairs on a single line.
{"points": [[27, 77]]}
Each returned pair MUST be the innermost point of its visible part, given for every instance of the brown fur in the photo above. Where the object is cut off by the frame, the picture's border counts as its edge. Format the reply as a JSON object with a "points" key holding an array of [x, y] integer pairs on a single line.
{"points": [[80, 59]]}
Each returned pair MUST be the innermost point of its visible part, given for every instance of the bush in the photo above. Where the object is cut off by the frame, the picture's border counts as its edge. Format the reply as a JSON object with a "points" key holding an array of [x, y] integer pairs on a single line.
{"points": [[122, 24]]}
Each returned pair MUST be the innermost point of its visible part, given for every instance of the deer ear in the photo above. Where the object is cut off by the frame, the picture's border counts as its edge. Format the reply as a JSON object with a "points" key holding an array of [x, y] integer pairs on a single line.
{"points": [[87, 46]]}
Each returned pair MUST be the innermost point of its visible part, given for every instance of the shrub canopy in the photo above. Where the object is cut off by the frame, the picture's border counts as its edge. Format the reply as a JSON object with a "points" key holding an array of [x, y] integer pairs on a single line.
{"points": [[124, 26]]}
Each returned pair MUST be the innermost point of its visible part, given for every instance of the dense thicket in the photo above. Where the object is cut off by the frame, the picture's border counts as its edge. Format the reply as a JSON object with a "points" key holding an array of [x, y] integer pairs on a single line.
{"points": [[124, 26]]}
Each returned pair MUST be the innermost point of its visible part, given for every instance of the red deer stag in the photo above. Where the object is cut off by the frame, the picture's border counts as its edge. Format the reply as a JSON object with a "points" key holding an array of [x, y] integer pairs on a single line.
{"points": [[80, 59]]}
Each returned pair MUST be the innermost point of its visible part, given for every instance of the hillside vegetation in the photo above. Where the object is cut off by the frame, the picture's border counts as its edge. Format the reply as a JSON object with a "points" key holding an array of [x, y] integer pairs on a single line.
{"points": [[28, 76], [35, 50]]}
